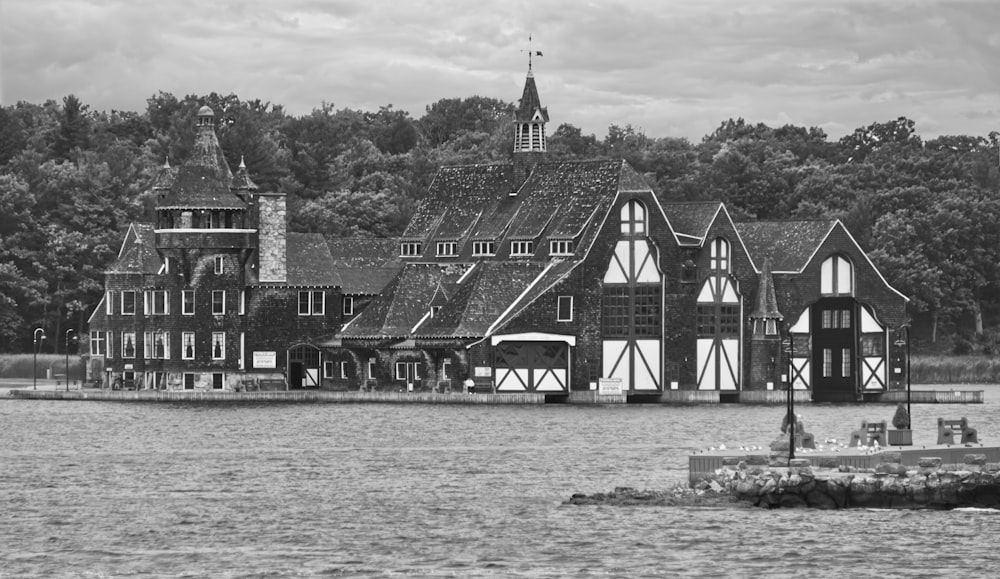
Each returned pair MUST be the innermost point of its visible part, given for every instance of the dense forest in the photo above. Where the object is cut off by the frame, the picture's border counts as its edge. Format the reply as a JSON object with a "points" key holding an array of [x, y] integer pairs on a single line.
{"points": [[72, 179]]}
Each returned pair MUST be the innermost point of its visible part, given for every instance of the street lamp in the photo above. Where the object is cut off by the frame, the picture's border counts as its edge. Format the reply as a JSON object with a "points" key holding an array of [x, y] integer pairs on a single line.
{"points": [[68, 332], [788, 346], [905, 330], [34, 363]]}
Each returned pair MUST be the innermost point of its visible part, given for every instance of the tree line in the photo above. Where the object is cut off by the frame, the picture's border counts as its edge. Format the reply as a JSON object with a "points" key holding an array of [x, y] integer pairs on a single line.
{"points": [[72, 179]]}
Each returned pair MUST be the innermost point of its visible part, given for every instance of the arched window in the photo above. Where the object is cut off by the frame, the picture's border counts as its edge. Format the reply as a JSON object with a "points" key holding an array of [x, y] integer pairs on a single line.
{"points": [[633, 218], [719, 256], [837, 276]]}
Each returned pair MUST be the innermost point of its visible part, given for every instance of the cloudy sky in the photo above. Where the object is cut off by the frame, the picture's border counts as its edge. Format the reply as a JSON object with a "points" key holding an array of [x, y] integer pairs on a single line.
{"points": [[669, 67]]}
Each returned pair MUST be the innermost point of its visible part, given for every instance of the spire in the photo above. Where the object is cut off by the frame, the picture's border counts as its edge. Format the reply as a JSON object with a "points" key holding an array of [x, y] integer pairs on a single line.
{"points": [[529, 126], [766, 312]]}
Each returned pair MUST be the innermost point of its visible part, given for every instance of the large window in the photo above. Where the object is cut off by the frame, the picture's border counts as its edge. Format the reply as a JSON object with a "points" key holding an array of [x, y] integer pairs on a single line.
{"points": [[96, 343], [128, 303], [156, 303], [218, 302], [312, 303], [719, 260], [633, 218], [187, 302], [218, 345], [564, 310], [156, 345], [128, 344], [187, 345], [837, 277], [836, 319]]}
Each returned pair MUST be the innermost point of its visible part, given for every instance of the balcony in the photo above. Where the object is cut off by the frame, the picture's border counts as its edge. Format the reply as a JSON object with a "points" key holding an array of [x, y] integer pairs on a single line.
{"points": [[206, 238]]}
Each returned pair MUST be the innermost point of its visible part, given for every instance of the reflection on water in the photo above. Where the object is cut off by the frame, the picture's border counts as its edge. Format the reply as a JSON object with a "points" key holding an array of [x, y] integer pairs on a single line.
{"points": [[108, 489]]}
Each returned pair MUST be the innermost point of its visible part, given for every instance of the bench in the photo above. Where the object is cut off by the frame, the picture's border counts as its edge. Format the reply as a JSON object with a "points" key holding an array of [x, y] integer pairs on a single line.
{"points": [[869, 434], [803, 439], [948, 428]]}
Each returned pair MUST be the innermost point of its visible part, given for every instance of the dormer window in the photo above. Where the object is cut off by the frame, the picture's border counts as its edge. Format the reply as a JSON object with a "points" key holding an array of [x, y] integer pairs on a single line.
{"points": [[483, 248], [410, 249], [447, 248], [561, 247], [522, 248]]}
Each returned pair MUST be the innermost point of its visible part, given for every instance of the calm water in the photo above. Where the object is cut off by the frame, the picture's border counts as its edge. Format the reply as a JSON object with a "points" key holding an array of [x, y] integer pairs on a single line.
{"points": [[91, 489]]}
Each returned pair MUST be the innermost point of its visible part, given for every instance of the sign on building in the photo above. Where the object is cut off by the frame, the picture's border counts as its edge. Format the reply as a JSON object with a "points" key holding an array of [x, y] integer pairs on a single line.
{"points": [[265, 359], [609, 387]]}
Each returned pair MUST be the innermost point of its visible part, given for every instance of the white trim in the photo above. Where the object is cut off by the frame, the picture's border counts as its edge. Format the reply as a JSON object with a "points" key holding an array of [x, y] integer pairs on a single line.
{"points": [[489, 331], [865, 255], [427, 316], [559, 299], [532, 337], [466, 274]]}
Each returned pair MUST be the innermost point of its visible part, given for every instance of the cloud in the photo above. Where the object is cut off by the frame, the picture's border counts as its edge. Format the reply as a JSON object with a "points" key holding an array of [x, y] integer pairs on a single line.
{"points": [[672, 68]]}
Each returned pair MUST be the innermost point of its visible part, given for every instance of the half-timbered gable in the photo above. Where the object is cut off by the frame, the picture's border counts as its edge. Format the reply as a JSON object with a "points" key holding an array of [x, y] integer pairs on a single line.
{"points": [[840, 313]]}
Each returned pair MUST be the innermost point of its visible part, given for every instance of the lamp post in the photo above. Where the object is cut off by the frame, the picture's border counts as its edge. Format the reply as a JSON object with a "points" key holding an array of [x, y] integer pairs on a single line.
{"points": [[791, 399], [905, 329], [34, 362], [68, 332], [788, 348]]}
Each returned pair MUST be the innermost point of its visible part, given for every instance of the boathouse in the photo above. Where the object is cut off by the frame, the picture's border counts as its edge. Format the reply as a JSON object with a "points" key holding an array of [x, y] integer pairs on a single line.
{"points": [[532, 275], [564, 277]]}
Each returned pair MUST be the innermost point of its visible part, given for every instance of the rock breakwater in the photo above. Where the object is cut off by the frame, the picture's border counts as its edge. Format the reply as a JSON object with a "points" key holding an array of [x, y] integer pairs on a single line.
{"points": [[775, 482]]}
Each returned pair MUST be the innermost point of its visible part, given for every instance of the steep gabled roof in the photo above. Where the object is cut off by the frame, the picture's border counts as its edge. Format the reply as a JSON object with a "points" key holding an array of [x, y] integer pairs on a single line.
{"points": [[788, 244], [692, 219], [365, 264], [404, 302], [553, 273], [486, 293], [564, 196], [138, 251], [461, 193], [308, 261]]}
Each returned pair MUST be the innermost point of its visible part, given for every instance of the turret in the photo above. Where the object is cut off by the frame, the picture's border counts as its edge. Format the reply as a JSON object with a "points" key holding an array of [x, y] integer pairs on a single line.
{"points": [[529, 129]]}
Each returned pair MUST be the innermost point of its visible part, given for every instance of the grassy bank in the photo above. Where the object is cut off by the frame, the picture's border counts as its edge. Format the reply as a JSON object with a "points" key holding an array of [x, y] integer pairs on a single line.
{"points": [[955, 370], [21, 365]]}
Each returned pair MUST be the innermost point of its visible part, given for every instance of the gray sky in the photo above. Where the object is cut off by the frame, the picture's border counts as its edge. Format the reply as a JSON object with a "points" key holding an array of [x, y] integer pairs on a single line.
{"points": [[671, 68]]}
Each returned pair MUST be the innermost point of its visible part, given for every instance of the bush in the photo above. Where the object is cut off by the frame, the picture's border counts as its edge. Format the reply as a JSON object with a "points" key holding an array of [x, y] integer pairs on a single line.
{"points": [[901, 419]]}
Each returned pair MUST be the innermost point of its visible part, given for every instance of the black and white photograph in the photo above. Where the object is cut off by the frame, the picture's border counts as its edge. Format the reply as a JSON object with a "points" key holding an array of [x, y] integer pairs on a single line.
{"points": [[550, 288]]}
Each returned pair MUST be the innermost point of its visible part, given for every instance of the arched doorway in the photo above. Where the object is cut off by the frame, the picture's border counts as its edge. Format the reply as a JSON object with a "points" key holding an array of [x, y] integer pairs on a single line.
{"points": [[303, 366]]}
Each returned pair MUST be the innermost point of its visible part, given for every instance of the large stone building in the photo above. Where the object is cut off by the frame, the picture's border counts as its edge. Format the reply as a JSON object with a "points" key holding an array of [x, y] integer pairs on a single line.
{"points": [[528, 275]]}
